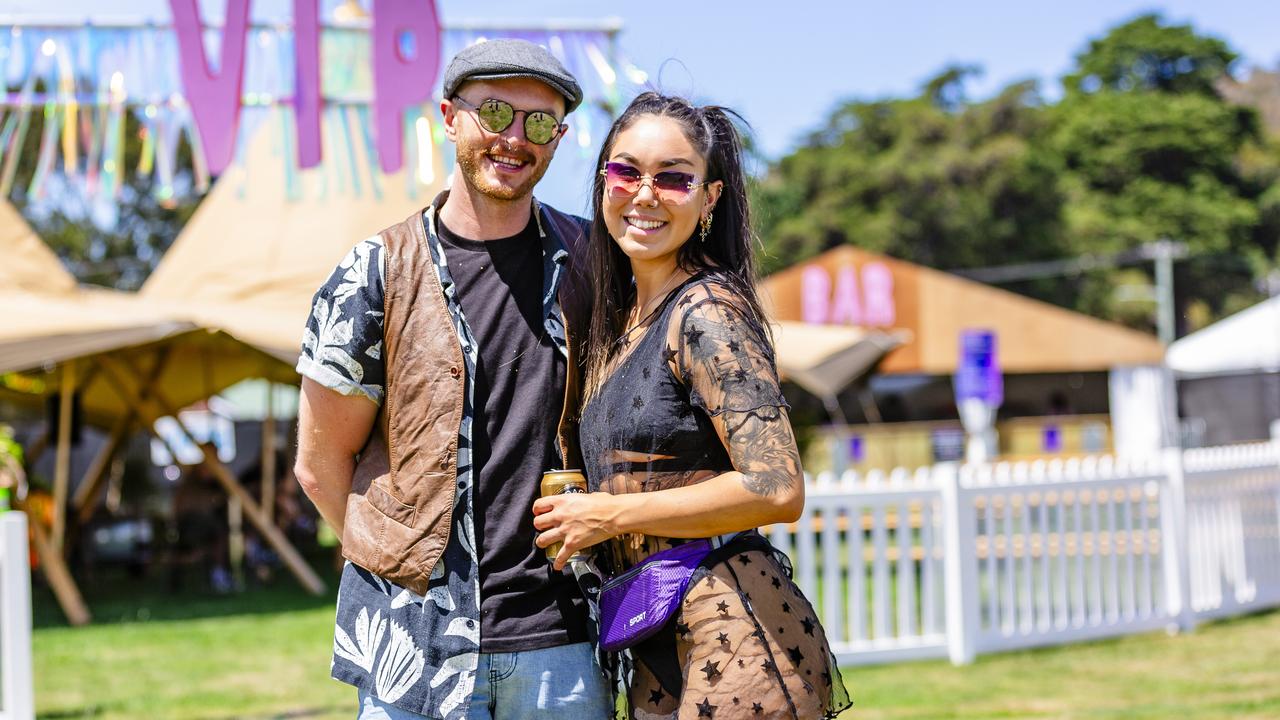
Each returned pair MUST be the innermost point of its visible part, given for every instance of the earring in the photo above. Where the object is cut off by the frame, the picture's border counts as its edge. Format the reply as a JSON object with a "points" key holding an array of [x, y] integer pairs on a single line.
{"points": [[706, 227]]}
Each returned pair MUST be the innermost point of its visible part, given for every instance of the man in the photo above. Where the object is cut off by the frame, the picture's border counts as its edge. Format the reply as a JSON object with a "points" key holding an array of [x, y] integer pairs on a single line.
{"points": [[434, 368]]}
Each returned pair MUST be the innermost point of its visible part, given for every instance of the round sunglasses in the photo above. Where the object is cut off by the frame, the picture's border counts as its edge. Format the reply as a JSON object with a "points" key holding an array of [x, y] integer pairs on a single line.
{"points": [[670, 186], [540, 126]]}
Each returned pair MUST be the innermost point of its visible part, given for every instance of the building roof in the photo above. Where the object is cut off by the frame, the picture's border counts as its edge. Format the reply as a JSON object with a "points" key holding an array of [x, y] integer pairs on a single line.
{"points": [[851, 286], [260, 244]]}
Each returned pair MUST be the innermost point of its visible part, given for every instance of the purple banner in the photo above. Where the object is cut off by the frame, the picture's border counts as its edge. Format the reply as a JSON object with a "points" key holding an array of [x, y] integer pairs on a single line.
{"points": [[978, 372]]}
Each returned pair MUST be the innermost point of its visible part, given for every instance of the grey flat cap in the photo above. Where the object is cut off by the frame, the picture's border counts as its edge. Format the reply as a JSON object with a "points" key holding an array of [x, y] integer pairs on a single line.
{"points": [[510, 58]]}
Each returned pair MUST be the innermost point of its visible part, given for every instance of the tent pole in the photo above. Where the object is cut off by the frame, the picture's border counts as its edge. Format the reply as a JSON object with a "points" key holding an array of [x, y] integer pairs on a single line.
{"points": [[836, 413], [305, 575], [90, 487], [269, 456], [235, 539], [85, 499], [55, 571], [36, 451], [869, 407], [62, 468]]}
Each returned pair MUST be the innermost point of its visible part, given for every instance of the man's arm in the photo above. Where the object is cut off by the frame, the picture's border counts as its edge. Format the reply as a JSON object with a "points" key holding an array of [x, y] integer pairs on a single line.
{"points": [[332, 429]]}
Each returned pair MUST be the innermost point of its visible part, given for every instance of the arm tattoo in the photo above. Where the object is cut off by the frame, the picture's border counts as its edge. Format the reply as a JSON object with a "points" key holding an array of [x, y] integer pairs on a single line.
{"points": [[729, 368], [763, 449]]}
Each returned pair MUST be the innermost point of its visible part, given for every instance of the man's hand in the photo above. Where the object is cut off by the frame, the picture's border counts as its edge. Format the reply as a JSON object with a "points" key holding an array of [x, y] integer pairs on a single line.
{"points": [[332, 429]]}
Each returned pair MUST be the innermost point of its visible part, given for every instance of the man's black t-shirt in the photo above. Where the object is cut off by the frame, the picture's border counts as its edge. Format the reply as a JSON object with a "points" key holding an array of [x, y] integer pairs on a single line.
{"points": [[520, 376]]}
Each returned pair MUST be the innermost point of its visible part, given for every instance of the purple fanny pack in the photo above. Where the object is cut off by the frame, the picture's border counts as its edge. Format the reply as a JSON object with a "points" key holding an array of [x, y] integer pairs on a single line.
{"points": [[639, 602]]}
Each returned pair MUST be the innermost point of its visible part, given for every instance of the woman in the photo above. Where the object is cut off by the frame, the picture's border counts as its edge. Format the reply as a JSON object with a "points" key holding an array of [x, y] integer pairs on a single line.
{"points": [[684, 429]]}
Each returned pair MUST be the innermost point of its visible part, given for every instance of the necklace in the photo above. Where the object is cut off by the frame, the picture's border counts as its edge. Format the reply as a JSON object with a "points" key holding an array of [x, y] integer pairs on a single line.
{"points": [[642, 319]]}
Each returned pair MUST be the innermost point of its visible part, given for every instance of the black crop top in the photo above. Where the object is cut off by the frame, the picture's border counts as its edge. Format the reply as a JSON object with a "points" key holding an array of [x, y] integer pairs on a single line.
{"points": [[649, 424]]}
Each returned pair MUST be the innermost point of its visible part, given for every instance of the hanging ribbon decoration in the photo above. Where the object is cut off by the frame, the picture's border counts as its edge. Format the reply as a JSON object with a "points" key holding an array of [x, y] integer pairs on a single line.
{"points": [[359, 84]]}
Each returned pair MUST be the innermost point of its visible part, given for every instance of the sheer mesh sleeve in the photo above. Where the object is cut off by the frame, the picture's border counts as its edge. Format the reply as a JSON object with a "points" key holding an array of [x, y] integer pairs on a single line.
{"points": [[725, 360], [724, 357]]}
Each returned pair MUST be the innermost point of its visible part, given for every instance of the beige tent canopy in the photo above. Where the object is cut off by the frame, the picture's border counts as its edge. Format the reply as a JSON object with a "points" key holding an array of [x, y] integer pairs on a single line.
{"points": [[826, 359], [253, 255], [29, 265], [227, 303], [49, 319], [1034, 337]]}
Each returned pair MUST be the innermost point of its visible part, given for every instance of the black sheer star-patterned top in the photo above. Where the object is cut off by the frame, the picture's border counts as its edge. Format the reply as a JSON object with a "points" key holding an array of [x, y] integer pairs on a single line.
{"points": [[689, 396]]}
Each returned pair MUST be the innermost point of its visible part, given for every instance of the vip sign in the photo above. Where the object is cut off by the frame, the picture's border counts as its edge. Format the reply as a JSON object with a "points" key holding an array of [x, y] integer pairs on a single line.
{"points": [[864, 299], [401, 77]]}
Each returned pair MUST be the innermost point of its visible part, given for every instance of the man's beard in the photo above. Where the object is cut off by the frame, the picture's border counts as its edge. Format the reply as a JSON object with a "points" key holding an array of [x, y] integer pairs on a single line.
{"points": [[471, 158]]}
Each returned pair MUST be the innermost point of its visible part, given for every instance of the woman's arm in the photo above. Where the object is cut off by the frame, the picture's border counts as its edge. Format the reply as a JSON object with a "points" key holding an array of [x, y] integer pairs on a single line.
{"points": [[725, 361], [726, 503]]}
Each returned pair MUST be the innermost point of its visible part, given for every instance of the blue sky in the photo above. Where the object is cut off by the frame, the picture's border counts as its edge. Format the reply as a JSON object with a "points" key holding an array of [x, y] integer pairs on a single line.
{"points": [[785, 65]]}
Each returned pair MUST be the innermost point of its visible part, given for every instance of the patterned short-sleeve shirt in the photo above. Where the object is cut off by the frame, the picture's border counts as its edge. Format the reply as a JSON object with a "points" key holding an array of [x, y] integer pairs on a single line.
{"points": [[418, 653]]}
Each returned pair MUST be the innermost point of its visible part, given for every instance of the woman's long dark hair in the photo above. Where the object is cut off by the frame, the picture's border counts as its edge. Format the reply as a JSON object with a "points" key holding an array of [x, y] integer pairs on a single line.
{"points": [[727, 249]]}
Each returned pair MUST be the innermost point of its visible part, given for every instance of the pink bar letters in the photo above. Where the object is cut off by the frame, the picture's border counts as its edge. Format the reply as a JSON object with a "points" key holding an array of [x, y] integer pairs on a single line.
{"points": [[868, 303], [815, 295], [846, 307], [877, 288]]}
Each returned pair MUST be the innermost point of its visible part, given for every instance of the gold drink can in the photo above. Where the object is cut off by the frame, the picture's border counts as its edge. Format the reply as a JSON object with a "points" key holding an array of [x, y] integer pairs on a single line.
{"points": [[559, 482]]}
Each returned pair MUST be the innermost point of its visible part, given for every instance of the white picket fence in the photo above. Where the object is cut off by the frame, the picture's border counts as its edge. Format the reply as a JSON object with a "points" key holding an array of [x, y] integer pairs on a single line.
{"points": [[954, 560], [17, 701]]}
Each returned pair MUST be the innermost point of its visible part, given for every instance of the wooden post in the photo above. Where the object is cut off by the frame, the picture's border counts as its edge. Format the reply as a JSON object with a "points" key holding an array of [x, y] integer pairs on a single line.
{"points": [[235, 540], [37, 448], [62, 468], [85, 499], [87, 494], [305, 575], [55, 571], [269, 456]]}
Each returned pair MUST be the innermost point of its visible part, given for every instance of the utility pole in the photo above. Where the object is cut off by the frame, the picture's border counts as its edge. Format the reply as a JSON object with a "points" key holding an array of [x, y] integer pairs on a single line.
{"points": [[1164, 252]]}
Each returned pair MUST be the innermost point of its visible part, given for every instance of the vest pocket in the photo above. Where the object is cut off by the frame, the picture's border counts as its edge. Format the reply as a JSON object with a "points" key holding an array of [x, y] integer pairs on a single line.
{"points": [[386, 503], [394, 540]]}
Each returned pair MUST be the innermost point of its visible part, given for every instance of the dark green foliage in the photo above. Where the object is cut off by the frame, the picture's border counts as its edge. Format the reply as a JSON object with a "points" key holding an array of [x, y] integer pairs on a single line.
{"points": [[1140, 147], [1147, 54], [918, 181]]}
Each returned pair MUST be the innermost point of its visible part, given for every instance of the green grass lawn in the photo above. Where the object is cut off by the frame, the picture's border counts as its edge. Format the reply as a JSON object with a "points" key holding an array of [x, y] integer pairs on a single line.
{"points": [[265, 654]]}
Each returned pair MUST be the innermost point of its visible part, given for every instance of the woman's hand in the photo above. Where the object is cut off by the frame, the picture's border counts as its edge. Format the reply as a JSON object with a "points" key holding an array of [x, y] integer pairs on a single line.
{"points": [[579, 520]]}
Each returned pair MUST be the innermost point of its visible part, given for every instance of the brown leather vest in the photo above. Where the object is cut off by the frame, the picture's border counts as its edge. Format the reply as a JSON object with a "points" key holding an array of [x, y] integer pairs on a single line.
{"points": [[400, 510]]}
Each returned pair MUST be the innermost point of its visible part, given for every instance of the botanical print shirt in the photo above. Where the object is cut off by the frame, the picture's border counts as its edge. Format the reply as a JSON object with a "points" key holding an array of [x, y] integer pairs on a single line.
{"points": [[416, 652]]}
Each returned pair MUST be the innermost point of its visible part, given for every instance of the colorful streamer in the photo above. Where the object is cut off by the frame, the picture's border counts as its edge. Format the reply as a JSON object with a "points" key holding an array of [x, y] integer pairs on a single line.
{"points": [[93, 79]]}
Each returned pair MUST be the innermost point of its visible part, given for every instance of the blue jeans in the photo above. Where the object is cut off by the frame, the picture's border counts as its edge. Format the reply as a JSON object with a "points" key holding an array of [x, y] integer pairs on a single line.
{"points": [[556, 683]]}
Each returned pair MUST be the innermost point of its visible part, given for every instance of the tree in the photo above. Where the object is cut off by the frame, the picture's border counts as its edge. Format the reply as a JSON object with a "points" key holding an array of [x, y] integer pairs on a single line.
{"points": [[1150, 150], [1141, 147], [1147, 54], [930, 179]]}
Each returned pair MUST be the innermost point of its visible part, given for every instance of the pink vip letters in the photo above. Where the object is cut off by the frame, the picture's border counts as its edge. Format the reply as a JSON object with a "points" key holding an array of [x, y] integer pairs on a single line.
{"points": [[406, 58]]}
